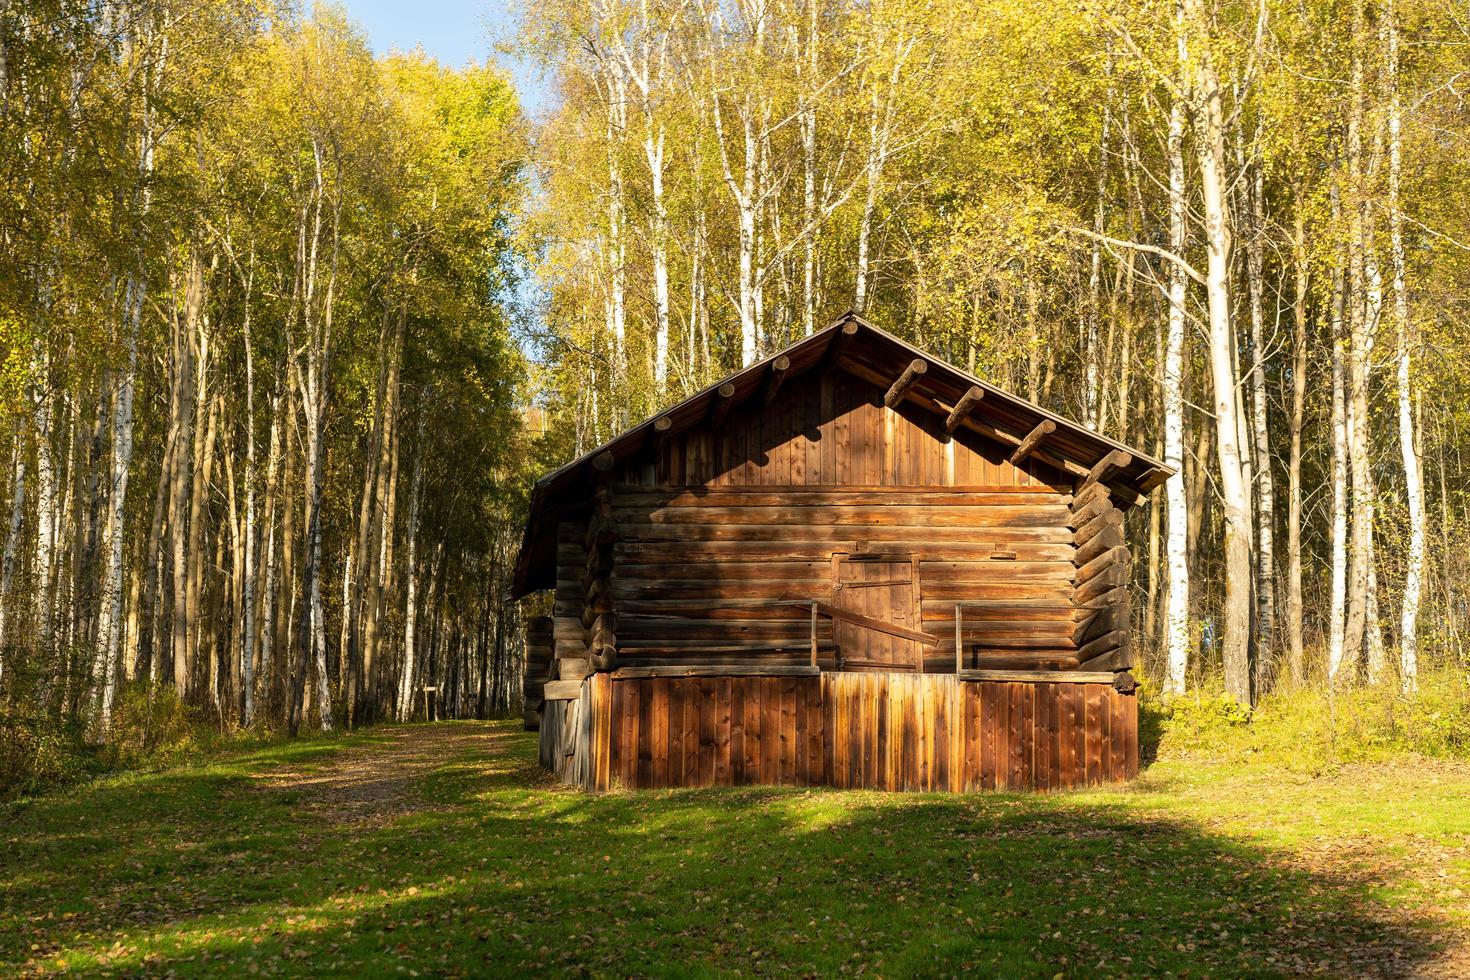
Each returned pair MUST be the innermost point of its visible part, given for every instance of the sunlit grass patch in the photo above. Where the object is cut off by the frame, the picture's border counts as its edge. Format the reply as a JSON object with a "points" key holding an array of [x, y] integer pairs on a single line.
{"points": [[477, 863]]}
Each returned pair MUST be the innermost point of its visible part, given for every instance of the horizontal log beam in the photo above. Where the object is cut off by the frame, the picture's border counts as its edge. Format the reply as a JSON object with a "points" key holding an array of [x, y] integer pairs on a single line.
{"points": [[1117, 596], [572, 669], [899, 390], [1094, 527], [1153, 479], [1100, 621], [562, 690], [1033, 439], [1109, 537], [1086, 495], [1039, 676], [719, 670], [1113, 556], [962, 408], [1107, 643], [1115, 576], [1113, 660], [1094, 507]]}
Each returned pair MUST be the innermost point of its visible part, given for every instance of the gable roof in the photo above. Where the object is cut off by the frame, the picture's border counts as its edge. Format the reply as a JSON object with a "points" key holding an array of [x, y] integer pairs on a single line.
{"points": [[857, 346]]}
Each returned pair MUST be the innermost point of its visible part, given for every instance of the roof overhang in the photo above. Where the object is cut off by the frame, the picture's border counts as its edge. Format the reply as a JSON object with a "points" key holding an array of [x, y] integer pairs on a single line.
{"points": [[855, 345]]}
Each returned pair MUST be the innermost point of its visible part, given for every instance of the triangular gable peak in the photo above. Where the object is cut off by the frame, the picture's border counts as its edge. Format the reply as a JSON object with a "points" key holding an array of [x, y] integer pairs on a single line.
{"points": [[1018, 440]]}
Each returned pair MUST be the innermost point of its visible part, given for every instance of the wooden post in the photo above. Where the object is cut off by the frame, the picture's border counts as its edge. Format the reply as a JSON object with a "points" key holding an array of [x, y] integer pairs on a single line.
{"points": [[814, 633], [962, 408], [959, 642], [916, 369]]}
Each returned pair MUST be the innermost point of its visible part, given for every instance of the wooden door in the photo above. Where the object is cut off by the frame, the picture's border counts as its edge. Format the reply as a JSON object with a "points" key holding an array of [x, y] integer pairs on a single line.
{"points": [[886, 590]]}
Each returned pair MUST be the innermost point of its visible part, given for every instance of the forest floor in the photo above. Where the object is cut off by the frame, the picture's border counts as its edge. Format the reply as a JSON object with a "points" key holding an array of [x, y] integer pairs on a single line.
{"points": [[442, 850]]}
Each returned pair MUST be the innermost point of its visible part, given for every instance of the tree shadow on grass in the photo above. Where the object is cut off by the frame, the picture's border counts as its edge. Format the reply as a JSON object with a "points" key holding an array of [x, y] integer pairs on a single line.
{"points": [[202, 875]]}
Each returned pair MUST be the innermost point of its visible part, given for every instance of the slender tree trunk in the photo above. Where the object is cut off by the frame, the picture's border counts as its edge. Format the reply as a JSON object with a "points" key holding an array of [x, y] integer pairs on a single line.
{"points": [[1336, 630], [1294, 610], [1179, 638], [1408, 447], [110, 616], [12, 538], [1359, 329], [410, 609], [653, 149], [185, 358], [1260, 422], [1235, 495], [46, 510], [246, 646]]}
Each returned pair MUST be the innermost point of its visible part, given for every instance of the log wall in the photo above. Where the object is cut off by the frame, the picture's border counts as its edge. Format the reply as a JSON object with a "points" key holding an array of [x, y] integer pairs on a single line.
{"points": [[715, 528], [884, 731]]}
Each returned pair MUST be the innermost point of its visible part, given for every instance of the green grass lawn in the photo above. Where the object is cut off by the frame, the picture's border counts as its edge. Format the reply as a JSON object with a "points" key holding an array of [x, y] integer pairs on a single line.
{"points": [[442, 850]]}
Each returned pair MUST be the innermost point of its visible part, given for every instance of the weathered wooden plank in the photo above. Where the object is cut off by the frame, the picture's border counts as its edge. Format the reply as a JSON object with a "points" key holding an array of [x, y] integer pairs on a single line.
{"points": [[646, 735], [718, 670], [565, 690], [1028, 735], [1038, 676], [884, 535], [837, 516], [990, 725], [1092, 728]]}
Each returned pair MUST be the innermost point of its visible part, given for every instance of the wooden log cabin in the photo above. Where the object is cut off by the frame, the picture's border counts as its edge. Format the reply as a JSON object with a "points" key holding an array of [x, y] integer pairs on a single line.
{"points": [[849, 564]]}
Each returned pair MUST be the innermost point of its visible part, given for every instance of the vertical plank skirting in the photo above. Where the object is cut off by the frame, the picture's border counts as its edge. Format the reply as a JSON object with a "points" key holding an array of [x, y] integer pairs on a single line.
{"points": [[884, 731]]}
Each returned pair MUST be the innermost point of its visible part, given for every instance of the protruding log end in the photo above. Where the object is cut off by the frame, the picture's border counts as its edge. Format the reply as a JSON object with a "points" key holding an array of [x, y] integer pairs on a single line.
{"points": [[963, 407], [721, 404], [780, 368], [1033, 439], [916, 369]]}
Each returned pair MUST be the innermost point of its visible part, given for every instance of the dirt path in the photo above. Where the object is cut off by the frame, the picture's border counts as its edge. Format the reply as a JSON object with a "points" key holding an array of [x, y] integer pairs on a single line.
{"points": [[381, 776]]}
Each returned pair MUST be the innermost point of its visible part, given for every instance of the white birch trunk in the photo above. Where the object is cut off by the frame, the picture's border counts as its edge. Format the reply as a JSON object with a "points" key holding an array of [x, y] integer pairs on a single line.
{"points": [[1235, 495], [46, 508], [12, 537], [410, 610], [1265, 485], [246, 645], [1408, 447], [110, 614], [1294, 610], [1336, 630], [1177, 544]]}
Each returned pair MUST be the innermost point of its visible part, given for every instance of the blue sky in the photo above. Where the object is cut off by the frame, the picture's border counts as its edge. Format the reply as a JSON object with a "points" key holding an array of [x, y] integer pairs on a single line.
{"points": [[453, 31]]}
